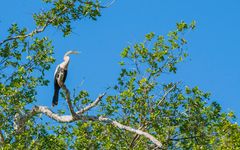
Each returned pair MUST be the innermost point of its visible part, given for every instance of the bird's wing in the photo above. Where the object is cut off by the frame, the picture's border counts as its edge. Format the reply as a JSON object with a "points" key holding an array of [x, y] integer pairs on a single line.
{"points": [[56, 70]]}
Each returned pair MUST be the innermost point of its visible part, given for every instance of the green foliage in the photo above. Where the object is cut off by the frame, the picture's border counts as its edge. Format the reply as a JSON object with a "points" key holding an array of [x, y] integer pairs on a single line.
{"points": [[181, 118], [25, 57], [63, 12]]}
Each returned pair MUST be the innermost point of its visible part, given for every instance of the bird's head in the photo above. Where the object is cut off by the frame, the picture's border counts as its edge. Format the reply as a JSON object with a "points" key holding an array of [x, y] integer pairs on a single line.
{"points": [[66, 56]]}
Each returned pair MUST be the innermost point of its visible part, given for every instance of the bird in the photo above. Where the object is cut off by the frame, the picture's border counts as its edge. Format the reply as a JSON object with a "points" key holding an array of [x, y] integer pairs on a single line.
{"points": [[60, 75]]}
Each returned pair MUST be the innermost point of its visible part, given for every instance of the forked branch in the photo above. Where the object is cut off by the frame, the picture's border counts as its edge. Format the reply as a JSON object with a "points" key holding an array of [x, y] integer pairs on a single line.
{"points": [[69, 118], [75, 116]]}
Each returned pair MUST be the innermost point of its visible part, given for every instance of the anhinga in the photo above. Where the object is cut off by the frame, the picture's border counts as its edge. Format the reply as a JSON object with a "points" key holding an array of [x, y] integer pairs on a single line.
{"points": [[60, 75]]}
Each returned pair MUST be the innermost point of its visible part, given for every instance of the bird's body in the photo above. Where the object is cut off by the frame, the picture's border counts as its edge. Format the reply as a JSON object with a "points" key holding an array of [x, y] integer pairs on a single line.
{"points": [[60, 76]]}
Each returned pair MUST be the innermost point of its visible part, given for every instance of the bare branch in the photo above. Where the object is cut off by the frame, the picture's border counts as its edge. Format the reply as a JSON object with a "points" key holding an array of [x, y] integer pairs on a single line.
{"points": [[93, 104], [45, 110], [17, 123], [62, 119], [137, 131], [166, 94], [69, 100], [20, 120], [69, 118], [136, 137]]}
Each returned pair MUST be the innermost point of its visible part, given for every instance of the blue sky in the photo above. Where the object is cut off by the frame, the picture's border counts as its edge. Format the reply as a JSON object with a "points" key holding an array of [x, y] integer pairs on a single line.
{"points": [[213, 48]]}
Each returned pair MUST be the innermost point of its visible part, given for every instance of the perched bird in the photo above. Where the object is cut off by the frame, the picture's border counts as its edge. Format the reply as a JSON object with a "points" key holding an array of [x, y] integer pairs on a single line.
{"points": [[60, 76]]}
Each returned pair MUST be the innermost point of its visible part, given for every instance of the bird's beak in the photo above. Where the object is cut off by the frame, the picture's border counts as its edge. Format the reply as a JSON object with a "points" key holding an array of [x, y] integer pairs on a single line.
{"points": [[75, 52], [71, 52]]}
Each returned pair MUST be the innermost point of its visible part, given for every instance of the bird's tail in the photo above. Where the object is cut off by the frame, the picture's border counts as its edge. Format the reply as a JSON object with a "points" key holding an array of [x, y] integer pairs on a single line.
{"points": [[55, 98]]}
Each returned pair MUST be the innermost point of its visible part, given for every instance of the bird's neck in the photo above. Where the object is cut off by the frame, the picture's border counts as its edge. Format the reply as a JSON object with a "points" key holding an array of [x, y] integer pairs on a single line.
{"points": [[65, 63]]}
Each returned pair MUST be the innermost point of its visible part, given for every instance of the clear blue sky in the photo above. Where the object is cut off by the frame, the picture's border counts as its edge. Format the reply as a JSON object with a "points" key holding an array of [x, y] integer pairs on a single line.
{"points": [[213, 64]]}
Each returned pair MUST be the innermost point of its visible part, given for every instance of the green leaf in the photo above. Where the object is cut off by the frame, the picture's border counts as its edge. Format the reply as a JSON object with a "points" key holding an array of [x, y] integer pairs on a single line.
{"points": [[150, 36]]}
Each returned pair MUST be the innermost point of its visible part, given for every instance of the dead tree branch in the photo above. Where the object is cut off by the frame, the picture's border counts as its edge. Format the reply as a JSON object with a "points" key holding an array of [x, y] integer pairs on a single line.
{"points": [[78, 116], [137, 131], [93, 104], [68, 99], [136, 137], [69, 118], [75, 116]]}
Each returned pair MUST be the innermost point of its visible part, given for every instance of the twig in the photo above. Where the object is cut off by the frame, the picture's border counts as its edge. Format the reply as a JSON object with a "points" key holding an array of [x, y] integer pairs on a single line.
{"points": [[164, 96], [166, 93], [91, 105], [185, 138], [26, 35], [37, 30], [109, 4]]}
